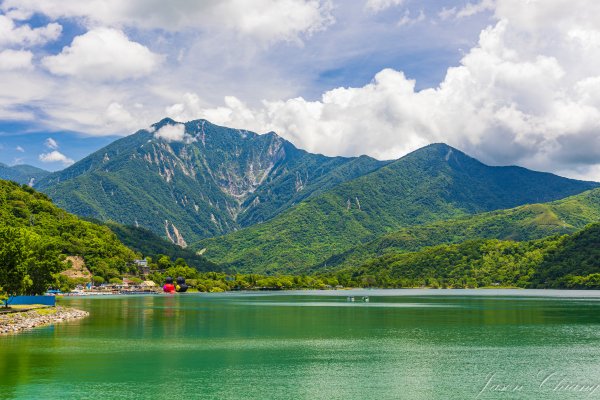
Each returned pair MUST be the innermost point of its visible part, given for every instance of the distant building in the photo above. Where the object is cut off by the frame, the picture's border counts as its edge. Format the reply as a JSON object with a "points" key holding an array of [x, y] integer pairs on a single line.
{"points": [[142, 266]]}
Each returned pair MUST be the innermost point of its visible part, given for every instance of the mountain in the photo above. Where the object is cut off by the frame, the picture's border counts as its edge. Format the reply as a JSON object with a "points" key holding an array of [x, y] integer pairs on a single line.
{"points": [[569, 261], [24, 174], [196, 180], [528, 222], [433, 183], [33, 213]]}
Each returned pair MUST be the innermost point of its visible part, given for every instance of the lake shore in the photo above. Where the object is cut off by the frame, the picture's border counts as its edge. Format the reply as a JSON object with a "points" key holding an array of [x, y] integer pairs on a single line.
{"points": [[20, 321]]}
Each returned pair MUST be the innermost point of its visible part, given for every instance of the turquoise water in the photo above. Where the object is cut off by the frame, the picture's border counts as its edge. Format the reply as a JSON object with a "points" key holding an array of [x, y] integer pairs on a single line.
{"points": [[403, 344]]}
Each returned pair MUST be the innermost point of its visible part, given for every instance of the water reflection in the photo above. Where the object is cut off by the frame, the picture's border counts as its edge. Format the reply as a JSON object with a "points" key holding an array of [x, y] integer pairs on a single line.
{"points": [[411, 344]]}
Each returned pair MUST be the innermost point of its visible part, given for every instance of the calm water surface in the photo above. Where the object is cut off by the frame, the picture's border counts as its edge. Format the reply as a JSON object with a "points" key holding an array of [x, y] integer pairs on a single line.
{"points": [[403, 344]]}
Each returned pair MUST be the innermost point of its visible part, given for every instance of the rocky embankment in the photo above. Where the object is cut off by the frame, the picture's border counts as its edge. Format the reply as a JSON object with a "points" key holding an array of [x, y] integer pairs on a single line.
{"points": [[20, 321]]}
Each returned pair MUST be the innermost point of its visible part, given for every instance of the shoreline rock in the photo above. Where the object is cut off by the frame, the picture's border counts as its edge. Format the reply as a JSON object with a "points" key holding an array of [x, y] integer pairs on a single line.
{"points": [[20, 321]]}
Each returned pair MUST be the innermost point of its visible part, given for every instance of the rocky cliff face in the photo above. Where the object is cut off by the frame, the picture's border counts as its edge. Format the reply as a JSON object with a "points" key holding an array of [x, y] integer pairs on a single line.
{"points": [[195, 180]]}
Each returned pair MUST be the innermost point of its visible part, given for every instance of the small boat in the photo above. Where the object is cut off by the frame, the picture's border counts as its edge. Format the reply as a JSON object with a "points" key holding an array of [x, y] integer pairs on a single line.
{"points": [[350, 298], [366, 299]]}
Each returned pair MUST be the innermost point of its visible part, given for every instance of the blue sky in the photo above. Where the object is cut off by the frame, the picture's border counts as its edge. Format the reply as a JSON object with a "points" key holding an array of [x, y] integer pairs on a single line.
{"points": [[508, 81]]}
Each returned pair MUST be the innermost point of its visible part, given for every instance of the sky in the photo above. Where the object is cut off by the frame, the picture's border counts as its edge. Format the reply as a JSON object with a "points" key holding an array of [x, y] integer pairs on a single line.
{"points": [[510, 82]]}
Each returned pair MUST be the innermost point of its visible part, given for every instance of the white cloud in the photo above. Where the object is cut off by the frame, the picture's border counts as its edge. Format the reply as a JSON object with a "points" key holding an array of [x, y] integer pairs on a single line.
{"points": [[20, 149], [380, 5], [51, 144], [117, 116], [406, 19], [15, 60], [55, 156], [267, 20], [520, 96], [20, 87], [24, 35], [527, 93], [173, 133], [468, 10], [447, 13], [103, 54]]}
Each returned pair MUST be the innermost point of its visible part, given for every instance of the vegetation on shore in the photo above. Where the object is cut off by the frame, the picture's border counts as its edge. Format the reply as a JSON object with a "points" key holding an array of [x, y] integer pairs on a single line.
{"points": [[36, 236], [568, 261], [559, 261]]}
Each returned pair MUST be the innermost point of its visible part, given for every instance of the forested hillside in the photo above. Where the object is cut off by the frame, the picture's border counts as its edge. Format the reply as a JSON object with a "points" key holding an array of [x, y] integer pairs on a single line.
{"points": [[556, 262], [208, 181], [46, 234], [431, 184], [151, 245], [527, 222]]}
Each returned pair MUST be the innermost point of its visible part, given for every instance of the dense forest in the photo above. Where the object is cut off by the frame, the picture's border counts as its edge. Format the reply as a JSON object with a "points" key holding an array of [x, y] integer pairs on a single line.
{"points": [[568, 261], [528, 222], [36, 236]]}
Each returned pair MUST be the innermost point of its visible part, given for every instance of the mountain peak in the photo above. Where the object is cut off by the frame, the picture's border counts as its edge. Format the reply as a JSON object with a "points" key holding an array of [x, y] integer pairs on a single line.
{"points": [[442, 148], [439, 153], [163, 122], [204, 181]]}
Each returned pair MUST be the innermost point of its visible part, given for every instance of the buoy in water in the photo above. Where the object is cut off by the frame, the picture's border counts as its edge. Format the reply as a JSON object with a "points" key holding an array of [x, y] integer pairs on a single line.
{"points": [[169, 287], [181, 286]]}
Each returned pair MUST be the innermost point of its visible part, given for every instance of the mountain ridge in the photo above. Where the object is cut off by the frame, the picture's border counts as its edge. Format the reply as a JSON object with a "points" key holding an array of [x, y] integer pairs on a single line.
{"points": [[266, 201], [213, 181], [433, 183]]}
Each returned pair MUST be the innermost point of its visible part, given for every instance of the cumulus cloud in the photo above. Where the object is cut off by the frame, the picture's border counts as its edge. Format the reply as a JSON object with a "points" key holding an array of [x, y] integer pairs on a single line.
{"points": [[20, 149], [103, 54], [269, 20], [24, 35], [51, 144], [528, 92], [173, 133], [520, 96], [55, 156], [11, 60]]}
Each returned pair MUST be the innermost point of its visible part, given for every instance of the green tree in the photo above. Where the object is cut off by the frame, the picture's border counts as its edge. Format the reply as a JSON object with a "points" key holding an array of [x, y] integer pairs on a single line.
{"points": [[164, 262], [45, 263], [97, 280], [14, 258]]}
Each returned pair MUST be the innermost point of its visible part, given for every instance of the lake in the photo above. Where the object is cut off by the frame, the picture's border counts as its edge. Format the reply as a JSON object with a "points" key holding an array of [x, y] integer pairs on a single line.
{"points": [[402, 344]]}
